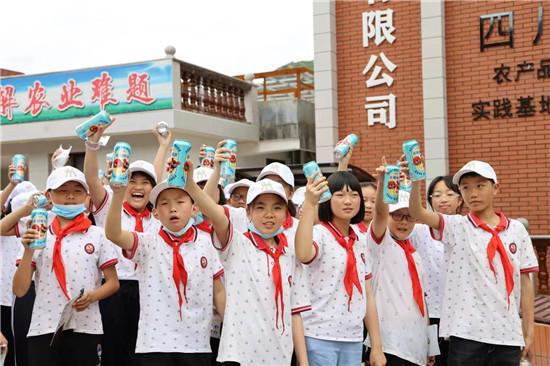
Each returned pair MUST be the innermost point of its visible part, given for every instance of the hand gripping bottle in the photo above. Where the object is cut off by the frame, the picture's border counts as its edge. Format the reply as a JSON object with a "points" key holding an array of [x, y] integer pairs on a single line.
{"points": [[343, 147], [87, 128], [177, 173], [228, 168], [310, 169], [415, 160], [391, 184], [121, 162]]}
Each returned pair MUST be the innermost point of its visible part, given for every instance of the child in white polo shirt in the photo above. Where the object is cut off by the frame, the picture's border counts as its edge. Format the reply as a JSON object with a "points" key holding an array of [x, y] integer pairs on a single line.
{"points": [[70, 266], [487, 284], [120, 313], [180, 279], [265, 289], [339, 275], [398, 280]]}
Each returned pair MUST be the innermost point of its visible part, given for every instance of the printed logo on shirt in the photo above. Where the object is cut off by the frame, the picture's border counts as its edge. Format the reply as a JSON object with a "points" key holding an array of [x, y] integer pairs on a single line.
{"points": [[204, 262], [89, 248], [290, 280], [513, 248], [363, 258]]}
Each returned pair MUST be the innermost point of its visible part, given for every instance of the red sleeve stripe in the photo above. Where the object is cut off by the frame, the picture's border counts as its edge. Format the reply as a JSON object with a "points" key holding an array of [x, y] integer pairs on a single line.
{"points": [[316, 247], [218, 274], [529, 270], [105, 198], [18, 261], [376, 240], [368, 276], [109, 263], [129, 254], [229, 239], [17, 233], [301, 309]]}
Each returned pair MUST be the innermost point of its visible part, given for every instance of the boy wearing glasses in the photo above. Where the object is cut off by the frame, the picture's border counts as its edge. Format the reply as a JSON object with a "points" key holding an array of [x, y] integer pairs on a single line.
{"points": [[397, 281]]}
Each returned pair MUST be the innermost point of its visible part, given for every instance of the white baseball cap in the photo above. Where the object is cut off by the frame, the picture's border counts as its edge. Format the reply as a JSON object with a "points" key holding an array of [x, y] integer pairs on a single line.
{"points": [[144, 167], [157, 190], [479, 167], [403, 201], [299, 196], [263, 187], [201, 174], [278, 169], [65, 174], [231, 187], [22, 187]]}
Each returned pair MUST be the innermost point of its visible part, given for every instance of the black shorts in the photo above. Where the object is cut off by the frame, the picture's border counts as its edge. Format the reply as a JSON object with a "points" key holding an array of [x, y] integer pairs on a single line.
{"points": [[174, 359], [69, 349]]}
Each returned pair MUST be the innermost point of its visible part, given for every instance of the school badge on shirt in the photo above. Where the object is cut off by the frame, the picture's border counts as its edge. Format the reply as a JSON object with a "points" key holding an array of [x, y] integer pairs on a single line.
{"points": [[89, 248]]}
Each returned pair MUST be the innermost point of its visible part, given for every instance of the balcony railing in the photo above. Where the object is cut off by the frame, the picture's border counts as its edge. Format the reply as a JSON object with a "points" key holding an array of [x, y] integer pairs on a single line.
{"points": [[296, 82], [208, 92]]}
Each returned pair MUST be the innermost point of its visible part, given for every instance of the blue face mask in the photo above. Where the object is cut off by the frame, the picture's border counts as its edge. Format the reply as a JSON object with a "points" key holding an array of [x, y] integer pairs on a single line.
{"points": [[252, 228], [190, 223], [68, 211], [199, 218]]}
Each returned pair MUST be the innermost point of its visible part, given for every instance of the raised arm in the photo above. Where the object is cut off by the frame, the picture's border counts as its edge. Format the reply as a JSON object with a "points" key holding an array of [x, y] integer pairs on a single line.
{"points": [[113, 226], [344, 162], [220, 156], [416, 209], [8, 224], [8, 188], [160, 158], [305, 251], [208, 207], [91, 168], [23, 275], [380, 219]]}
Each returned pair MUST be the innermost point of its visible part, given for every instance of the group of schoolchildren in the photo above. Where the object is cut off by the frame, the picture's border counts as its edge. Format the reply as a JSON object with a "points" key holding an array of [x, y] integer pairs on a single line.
{"points": [[245, 275]]}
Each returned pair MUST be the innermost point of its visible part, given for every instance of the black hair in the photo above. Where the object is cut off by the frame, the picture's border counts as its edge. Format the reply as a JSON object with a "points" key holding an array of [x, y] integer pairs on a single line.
{"points": [[336, 182], [222, 200], [151, 180], [473, 174], [146, 176], [292, 208], [448, 180]]}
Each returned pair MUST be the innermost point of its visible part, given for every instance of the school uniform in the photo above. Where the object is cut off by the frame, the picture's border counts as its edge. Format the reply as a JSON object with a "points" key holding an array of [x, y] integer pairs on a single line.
{"points": [[435, 263], [482, 291], [9, 249], [338, 296], [62, 269], [398, 290], [257, 328], [175, 320], [120, 312]]}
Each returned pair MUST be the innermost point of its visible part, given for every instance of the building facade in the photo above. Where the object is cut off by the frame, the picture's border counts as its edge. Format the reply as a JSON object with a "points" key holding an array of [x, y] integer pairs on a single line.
{"points": [[468, 80]]}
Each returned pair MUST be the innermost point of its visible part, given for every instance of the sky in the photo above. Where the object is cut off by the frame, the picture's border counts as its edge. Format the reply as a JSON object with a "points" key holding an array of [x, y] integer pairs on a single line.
{"points": [[232, 37]]}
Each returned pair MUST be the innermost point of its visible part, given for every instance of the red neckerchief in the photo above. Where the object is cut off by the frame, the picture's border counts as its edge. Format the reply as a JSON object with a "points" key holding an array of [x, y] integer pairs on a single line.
{"points": [[362, 227], [205, 226], [288, 221], [350, 277], [137, 215], [79, 224], [495, 245], [179, 274], [275, 270], [418, 294]]}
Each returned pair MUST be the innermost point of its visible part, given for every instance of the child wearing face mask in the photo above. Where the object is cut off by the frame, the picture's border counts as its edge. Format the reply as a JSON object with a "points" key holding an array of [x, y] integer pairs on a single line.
{"points": [[179, 275], [265, 289], [71, 266]]}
